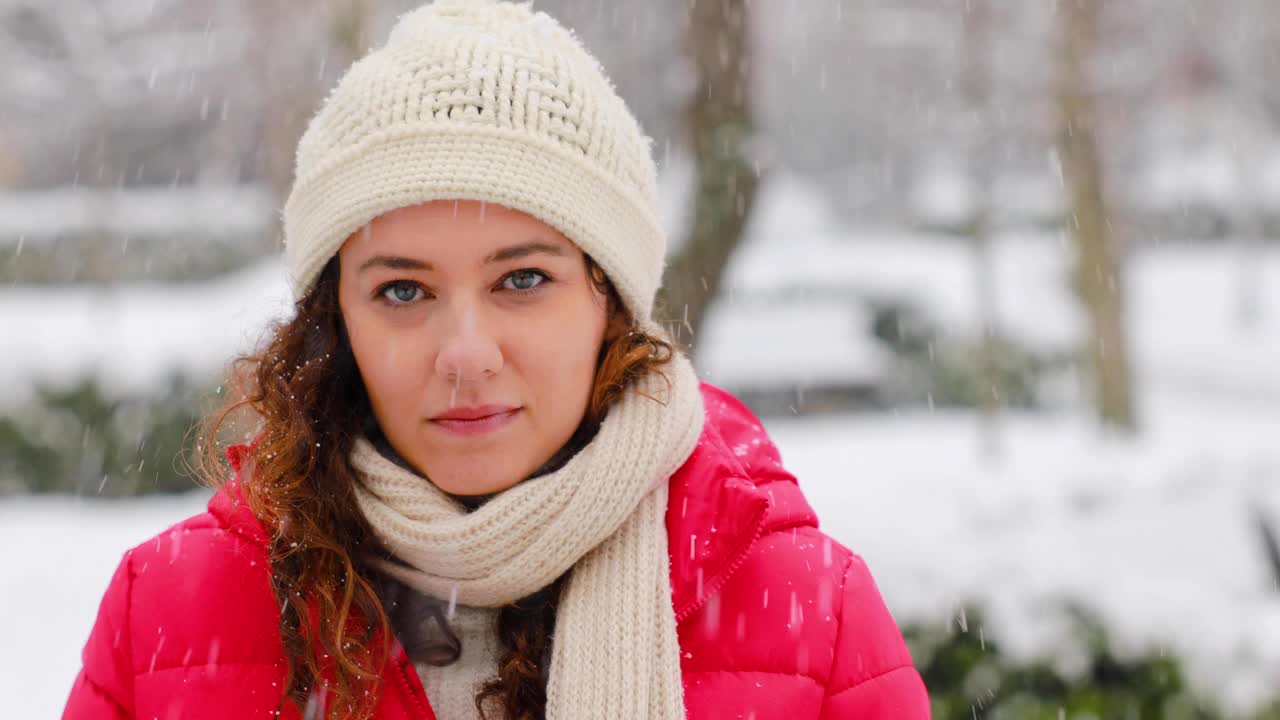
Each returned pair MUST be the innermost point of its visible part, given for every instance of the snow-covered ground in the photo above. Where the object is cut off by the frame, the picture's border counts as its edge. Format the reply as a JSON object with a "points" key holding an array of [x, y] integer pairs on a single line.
{"points": [[131, 336]]}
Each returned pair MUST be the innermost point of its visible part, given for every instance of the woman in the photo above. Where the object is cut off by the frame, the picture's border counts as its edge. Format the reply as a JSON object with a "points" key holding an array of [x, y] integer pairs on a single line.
{"points": [[482, 482]]}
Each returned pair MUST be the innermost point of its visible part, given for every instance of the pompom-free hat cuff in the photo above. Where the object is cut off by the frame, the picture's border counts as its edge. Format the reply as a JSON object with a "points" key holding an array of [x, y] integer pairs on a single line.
{"points": [[411, 165]]}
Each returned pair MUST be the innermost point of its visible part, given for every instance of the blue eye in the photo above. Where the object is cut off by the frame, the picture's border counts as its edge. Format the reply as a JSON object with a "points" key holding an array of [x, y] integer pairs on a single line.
{"points": [[524, 280], [400, 292]]}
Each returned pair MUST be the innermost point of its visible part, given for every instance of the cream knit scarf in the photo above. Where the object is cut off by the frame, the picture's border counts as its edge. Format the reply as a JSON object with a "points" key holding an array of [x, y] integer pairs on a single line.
{"points": [[615, 652]]}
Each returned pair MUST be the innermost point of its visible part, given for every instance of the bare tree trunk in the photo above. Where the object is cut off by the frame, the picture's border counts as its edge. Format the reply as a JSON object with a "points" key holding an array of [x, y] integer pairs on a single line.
{"points": [[1098, 276], [1270, 537], [976, 84], [351, 26], [720, 124]]}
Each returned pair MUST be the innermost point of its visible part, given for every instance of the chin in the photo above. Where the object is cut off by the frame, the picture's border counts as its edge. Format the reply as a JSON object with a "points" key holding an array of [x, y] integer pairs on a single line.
{"points": [[477, 481]]}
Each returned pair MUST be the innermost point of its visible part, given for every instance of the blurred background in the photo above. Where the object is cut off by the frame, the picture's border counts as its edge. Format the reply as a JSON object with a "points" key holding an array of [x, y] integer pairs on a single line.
{"points": [[1002, 279]]}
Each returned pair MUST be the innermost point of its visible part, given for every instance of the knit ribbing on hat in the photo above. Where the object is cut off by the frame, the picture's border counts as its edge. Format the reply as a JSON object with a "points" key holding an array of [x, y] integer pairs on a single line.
{"points": [[487, 101]]}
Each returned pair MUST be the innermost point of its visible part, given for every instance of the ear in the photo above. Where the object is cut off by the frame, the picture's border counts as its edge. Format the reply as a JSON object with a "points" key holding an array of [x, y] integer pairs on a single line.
{"points": [[618, 323]]}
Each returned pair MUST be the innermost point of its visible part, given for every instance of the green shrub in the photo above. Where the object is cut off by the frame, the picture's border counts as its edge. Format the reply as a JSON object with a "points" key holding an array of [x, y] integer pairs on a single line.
{"points": [[970, 678], [83, 440]]}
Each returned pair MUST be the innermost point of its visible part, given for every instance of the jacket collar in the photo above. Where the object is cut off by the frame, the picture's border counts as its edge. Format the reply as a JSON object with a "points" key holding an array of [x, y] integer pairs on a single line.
{"points": [[729, 492], [229, 505]]}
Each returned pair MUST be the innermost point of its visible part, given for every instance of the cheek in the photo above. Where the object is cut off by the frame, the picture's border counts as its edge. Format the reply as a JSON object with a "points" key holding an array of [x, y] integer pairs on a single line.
{"points": [[565, 344], [387, 359]]}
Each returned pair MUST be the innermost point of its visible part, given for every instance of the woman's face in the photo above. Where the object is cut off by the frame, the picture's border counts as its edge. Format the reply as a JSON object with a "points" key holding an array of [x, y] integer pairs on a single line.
{"points": [[476, 330]]}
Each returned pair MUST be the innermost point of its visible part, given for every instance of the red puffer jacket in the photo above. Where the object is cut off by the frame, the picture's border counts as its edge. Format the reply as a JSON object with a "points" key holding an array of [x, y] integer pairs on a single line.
{"points": [[776, 620]]}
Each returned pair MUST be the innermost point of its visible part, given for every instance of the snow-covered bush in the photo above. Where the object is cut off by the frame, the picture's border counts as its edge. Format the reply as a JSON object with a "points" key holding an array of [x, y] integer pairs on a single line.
{"points": [[969, 677], [82, 440]]}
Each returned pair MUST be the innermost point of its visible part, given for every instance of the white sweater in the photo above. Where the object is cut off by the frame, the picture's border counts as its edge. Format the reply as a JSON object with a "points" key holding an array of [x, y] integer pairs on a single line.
{"points": [[452, 689]]}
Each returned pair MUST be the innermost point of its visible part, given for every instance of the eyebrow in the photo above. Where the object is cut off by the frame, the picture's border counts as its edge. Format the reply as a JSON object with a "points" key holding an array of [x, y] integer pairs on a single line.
{"points": [[533, 247], [515, 252], [394, 262]]}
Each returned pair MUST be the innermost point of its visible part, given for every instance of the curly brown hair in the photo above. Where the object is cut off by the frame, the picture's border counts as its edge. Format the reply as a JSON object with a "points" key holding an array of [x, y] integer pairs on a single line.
{"points": [[301, 399]]}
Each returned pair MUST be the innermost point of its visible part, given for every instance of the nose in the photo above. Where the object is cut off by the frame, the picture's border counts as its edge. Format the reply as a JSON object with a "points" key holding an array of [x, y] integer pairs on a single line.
{"points": [[470, 351]]}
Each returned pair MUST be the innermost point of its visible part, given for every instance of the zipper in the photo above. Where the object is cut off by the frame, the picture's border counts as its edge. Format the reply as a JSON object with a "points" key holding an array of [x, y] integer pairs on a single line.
{"points": [[416, 695], [712, 587]]}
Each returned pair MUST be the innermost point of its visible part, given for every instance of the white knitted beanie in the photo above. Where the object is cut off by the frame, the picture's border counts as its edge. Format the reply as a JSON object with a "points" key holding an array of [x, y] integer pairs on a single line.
{"points": [[489, 101]]}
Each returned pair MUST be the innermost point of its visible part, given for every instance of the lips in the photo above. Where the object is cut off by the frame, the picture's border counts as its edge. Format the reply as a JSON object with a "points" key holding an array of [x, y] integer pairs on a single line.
{"points": [[473, 413], [475, 421]]}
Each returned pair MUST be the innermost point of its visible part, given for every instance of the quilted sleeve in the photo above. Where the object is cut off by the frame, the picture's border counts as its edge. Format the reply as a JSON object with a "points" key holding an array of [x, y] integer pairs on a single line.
{"points": [[872, 677], [103, 690]]}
